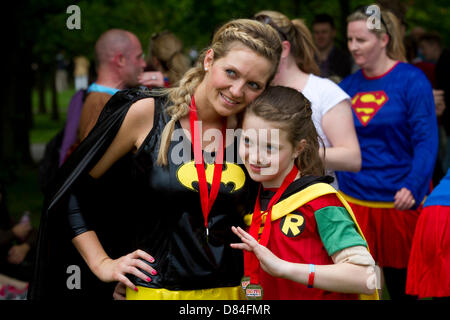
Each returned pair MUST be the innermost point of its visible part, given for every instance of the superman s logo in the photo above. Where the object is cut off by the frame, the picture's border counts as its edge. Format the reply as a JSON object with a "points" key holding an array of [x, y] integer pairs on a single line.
{"points": [[232, 175], [367, 104]]}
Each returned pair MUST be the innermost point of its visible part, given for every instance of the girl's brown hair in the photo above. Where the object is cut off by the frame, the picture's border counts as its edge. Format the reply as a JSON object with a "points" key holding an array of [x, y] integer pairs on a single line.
{"points": [[259, 37], [388, 24], [303, 48], [291, 112]]}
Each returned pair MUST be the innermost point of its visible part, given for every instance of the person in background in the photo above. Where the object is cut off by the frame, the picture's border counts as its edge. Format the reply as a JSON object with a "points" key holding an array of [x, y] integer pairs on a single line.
{"points": [[330, 105], [119, 63], [81, 72], [429, 263], [395, 120], [167, 60], [17, 243], [334, 63], [432, 50], [428, 65]]}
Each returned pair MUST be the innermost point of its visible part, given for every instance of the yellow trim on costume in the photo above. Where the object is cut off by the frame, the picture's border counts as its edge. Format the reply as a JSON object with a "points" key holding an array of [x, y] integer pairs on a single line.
{"points": [[225, 293], [370, 204], [304, 196]]}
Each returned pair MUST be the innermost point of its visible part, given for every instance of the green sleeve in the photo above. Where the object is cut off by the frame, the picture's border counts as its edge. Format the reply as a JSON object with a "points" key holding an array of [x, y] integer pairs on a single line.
{"points": [[337, 229]]}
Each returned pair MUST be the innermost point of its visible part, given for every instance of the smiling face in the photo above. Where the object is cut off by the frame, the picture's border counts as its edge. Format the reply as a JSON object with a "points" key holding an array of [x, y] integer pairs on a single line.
{"points": [[266, 151], [235, 80], [365, 46]]}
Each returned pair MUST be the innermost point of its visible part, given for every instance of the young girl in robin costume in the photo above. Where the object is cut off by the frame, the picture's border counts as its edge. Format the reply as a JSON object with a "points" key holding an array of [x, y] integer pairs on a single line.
{"points": [[303, 241]]}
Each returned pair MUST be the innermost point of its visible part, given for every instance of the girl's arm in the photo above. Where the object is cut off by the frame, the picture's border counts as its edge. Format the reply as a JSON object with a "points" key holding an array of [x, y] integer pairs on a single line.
{"points": [[136, 125], [342, 277], [344, 153]]}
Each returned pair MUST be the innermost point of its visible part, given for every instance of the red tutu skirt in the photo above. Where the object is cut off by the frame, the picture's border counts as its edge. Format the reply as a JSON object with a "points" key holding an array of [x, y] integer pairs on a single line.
{"points": [[429, 264], [388, 232]]}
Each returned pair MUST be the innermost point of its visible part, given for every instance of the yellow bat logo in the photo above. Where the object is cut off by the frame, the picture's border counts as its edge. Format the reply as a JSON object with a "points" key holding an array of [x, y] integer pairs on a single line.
{"points": [[231, 173]]}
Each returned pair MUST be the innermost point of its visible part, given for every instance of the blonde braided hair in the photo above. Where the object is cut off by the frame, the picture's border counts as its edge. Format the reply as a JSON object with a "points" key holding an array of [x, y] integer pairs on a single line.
{"points": [[260, 38]]}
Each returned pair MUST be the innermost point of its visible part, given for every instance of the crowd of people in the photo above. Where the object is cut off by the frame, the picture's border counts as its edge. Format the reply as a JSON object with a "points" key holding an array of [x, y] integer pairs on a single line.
{"points": [[333, 183]]}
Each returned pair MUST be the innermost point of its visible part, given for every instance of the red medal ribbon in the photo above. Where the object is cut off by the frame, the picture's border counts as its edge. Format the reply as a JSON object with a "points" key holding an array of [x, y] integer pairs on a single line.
{"points": [[206, 200], [251, 262]]}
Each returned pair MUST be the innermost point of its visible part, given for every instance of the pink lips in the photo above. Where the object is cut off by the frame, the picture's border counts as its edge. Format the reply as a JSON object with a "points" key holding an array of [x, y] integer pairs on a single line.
{"points": [[227, 100], [256, 169]]}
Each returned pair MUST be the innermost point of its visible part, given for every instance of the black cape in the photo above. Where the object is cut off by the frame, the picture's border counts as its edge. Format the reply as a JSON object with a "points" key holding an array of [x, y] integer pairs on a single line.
{"points": [[60, 272]]}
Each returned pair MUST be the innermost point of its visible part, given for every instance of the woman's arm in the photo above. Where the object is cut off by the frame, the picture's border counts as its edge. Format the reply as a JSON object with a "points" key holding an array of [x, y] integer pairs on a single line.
{"points": [[423, 138], [344, 153], [137, 124], [107, 269], [135, 127], [341, 277]]}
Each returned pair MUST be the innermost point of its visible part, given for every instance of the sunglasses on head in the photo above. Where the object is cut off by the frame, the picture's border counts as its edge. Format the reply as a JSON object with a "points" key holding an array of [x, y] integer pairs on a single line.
{"points": [[268, 20]]}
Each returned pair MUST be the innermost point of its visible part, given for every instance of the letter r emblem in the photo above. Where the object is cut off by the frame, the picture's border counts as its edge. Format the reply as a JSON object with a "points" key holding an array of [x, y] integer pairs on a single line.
{"points": [[292, 224]]}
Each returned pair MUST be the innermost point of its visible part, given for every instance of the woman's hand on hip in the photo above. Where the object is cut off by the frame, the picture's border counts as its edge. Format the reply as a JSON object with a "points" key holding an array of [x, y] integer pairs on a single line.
{"points": [[110, 270]]}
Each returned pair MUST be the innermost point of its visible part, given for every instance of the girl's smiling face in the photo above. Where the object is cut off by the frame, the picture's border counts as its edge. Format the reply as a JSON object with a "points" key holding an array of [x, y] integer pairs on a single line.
{"points": [[266, 151]]}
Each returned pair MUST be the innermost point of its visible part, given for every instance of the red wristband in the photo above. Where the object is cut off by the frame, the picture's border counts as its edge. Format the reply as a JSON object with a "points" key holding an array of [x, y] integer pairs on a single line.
{"points": [[312, 269]]}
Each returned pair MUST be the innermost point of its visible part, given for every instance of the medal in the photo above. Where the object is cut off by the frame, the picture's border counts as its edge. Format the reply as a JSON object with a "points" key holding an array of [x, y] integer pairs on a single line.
{"points": [[206, 200], [245, 281], [254, 292]]}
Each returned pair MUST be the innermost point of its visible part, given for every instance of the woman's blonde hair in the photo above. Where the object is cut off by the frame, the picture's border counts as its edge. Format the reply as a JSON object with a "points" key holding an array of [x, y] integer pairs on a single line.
{"points": [[389, 24], [260, 38], [303, 48], [167, 48]]}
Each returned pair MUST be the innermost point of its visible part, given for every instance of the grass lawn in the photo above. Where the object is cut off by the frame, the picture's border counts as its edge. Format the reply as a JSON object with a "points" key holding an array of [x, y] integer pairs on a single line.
{"points": [[44, 127]]}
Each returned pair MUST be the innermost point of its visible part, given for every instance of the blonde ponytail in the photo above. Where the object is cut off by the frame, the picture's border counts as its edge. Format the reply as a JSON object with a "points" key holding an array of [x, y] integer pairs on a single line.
{"points": [[306, 50], [303, 48]]}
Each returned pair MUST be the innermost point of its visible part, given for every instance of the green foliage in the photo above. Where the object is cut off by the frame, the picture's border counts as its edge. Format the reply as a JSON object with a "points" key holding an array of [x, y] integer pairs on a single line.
{"points": [[193, 21]]}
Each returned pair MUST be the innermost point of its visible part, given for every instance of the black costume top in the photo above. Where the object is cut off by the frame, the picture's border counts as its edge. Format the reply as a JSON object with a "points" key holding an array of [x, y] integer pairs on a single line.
{"points": [[171, 225], [145, 206]]}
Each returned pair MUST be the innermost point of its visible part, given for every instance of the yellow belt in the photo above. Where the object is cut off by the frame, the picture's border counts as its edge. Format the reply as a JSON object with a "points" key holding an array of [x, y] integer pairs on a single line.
{"points": [[370, 204], [225, 293]]}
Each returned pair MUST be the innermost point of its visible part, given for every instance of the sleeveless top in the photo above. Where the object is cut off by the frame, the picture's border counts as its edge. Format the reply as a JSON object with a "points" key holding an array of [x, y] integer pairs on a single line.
{"points": [[170, 224]]}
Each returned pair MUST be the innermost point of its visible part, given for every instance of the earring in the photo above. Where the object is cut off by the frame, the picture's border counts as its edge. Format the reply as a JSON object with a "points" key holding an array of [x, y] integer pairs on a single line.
{"points": [[206, 68]]}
